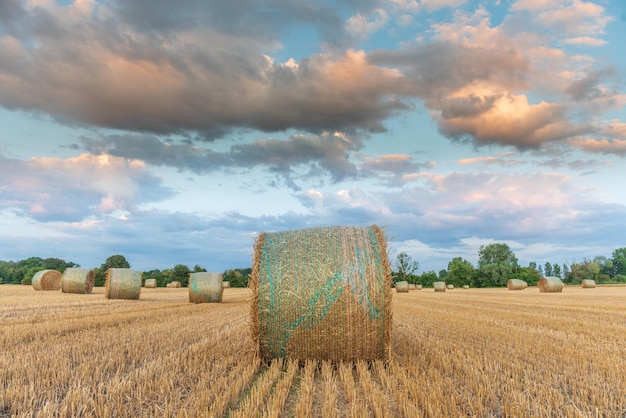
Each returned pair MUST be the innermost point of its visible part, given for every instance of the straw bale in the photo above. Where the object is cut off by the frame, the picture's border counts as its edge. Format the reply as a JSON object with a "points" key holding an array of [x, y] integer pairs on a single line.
{"points": [[77, 280], [550, 285], [225, 285], [465, 286], [402, 287], [418, 287], [150, 283], [122, 283], [450, 286], [47, 280], [205, 287], [173, 284], [588, 284], [322, 293], [439, 286], [516, 284], [411, 286]]}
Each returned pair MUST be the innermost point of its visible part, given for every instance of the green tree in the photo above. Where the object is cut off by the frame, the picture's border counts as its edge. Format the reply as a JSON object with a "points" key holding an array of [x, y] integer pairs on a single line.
{"points": [[587, 270], [115, 261], [496, 264], [198, 269], [556, 270], [406, 267], [547, 268], [427, 278], [442, 274], [180, 273], [238, 277], [460, 272], [619, 261]]}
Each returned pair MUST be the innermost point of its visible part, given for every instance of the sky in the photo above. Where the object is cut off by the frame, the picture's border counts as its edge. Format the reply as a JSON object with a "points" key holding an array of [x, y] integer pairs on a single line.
{"points": [[176, 132]]}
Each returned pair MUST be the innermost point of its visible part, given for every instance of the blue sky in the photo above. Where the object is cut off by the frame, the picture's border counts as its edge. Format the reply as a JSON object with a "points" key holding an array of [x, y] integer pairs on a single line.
{"points": [[176, 132]]}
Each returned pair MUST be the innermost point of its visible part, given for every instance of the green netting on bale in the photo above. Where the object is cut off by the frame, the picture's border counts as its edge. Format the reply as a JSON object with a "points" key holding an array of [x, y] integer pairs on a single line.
{"points": [[322, 293]]}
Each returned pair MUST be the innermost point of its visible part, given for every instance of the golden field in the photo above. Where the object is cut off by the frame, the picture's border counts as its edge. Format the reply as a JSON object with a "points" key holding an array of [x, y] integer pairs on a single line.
{"points": [[462, 353]]}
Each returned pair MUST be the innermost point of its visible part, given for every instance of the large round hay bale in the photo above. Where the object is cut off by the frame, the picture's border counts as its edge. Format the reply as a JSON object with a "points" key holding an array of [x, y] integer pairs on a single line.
{"points": [[588, 284], [47, 280], [465, 286], [418, 287], [515, 284], [77, 280], [150, 283], [439, 286], [205, 287], [322, 293], [122, 283], [225, 285], [402, 286], [450, 286], [550, 285], [411, 286]]}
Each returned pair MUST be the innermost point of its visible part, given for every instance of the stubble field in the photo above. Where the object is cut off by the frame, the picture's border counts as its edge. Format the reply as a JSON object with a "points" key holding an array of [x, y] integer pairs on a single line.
{"points": [[476, 352]]}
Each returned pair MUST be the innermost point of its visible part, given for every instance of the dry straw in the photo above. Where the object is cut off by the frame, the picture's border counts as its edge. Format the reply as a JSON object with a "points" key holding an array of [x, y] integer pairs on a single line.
{"points": [[322, 293], [465, 286], [150, 283], [77, 280], [122, 283], [47, 280], [402, 287], [411, 286], [450, 286], [550, 285], [173, 284], [516, 284], [588, 284], [439, 286], [418, 287], [205, 287], [225, 285]]}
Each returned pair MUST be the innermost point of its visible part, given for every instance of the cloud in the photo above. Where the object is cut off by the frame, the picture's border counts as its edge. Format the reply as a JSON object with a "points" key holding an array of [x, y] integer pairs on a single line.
{"points": [[73, 189], [602, 146], [329, 152], [177, 70]]}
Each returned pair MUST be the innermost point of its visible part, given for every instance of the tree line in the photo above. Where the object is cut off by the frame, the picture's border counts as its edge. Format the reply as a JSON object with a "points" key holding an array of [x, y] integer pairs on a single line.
{"points": [[22, 272], [497, 264]]}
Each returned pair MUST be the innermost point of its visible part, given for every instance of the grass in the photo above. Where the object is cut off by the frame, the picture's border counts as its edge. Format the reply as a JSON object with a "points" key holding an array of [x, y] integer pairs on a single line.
{"points": [[480, 352]]}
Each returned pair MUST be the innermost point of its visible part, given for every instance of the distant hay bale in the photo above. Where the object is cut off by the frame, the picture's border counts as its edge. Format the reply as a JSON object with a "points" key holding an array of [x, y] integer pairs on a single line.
{"points": [[150, 283], [418, 287], [550, 285], [225, 285], [77, 280], [450, 286], [173, 284], [322, 293], [588, 284], [411, 286], [205, 287], [439, 286], [122, 283], [47, 280], [516, 284], [402, 287], [465, 286]]}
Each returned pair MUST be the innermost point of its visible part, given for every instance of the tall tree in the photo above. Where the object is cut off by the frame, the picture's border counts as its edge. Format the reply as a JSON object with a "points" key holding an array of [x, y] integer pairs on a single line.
{"points": [[460, 272], [619, 261], [406, 267], [547, 268], [180, 273], [556, 270], [496, 264]]}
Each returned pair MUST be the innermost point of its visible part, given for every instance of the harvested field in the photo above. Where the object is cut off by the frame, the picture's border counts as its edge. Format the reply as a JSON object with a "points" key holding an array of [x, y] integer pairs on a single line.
{"points": [[480, 353]]}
